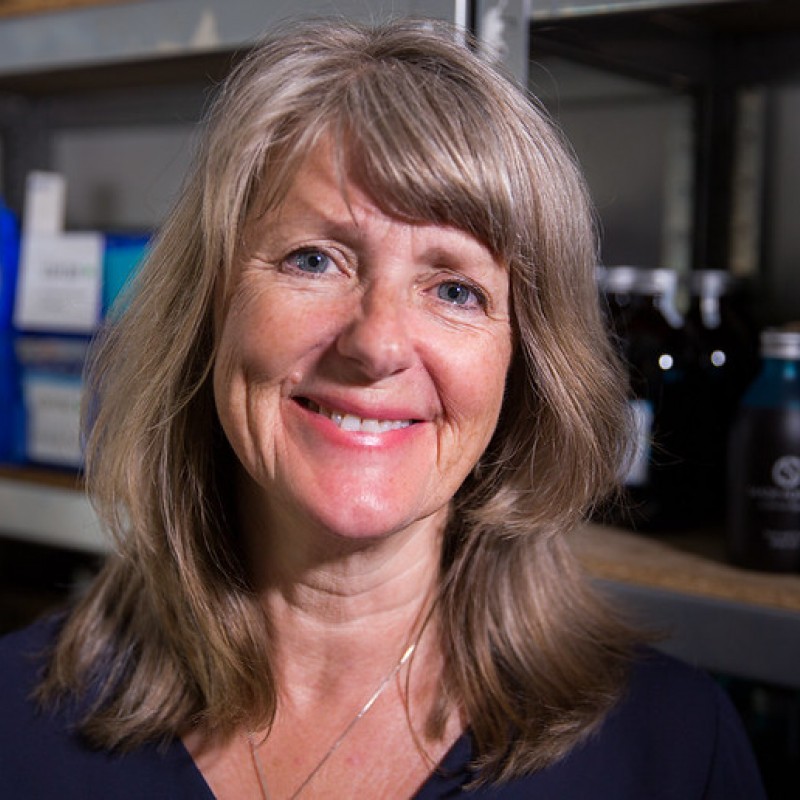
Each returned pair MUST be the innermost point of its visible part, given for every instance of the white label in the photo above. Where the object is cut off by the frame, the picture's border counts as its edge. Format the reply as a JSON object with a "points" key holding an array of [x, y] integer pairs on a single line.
{"points": [[60, 282], [45, 199], [639, 465], [53, 406]]}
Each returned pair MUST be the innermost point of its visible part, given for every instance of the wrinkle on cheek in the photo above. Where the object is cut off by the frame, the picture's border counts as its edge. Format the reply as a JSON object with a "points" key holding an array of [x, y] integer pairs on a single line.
{"points": [[468, 427], [457, 438], [226, 393], [247, 294]]}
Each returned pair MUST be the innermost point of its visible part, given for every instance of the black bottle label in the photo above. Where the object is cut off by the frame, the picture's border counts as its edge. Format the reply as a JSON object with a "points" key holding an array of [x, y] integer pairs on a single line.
{"points": [[764, 490]]}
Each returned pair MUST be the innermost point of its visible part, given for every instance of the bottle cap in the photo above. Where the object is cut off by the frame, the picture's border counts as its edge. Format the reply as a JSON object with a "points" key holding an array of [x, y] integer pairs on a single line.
{"points": [[619, 280], [652, 281], [783, 344], [711, 282]]}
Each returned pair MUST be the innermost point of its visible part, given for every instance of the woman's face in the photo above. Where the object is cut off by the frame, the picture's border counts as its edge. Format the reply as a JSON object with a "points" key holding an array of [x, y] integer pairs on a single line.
{"points": [[361, 362]]}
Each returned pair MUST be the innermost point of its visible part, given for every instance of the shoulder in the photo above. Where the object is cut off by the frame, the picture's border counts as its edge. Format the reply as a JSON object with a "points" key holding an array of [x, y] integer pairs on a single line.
{"points": [[43, 755], [673, 735], [682, 700], [25, 733], [28, 641], [23, 655]]}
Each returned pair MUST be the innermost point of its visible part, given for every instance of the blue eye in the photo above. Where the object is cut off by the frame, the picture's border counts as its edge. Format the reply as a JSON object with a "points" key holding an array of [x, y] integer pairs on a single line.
{"points": [[310, 261], [458, 294]]}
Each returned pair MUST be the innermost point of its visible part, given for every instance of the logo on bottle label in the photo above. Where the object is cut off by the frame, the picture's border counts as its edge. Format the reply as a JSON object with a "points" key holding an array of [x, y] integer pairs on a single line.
{"points": [[786, 472]]}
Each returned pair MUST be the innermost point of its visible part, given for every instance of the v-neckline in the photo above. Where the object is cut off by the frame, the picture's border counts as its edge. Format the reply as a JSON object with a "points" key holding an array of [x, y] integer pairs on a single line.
{"points": [[447, 776]]}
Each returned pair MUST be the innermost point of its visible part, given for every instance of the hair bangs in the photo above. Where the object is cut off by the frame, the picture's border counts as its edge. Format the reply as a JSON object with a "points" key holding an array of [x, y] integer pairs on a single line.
{"points": [[419, 147]]}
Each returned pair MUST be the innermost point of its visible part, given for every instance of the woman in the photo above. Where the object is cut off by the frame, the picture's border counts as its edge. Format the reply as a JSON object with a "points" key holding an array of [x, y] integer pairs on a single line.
{"points": [[359, 398]]}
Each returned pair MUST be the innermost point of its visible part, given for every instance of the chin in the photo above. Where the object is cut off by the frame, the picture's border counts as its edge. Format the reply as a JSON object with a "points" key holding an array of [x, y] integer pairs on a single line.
{"points": [[360, 529], [370, 524]]}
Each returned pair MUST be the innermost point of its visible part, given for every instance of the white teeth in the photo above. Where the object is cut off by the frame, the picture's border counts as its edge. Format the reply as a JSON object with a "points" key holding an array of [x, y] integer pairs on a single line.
{"points": [[350, 422], [371, 426]]}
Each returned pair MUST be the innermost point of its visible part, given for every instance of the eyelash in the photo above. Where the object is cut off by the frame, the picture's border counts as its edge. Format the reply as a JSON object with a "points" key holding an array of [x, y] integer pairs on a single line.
{"points": [[292, 258], [481, 299]]}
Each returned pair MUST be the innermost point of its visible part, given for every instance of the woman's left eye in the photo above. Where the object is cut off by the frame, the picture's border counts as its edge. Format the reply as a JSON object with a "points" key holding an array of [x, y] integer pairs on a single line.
{"points": [[460, 294], [313, 261]]}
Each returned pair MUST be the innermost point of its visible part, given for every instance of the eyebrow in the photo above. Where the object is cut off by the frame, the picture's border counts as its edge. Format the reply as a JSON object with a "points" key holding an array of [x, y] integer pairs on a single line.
{"points": [[346, 229], [334, 226]]}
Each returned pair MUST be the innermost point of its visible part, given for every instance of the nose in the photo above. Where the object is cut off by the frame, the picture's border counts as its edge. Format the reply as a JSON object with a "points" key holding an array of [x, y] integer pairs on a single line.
{"points": [[377, 339]]}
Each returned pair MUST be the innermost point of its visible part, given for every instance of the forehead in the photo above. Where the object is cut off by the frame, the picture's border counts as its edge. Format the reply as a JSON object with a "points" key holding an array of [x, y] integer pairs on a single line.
{"points": [[325, 198], [417, 180]]}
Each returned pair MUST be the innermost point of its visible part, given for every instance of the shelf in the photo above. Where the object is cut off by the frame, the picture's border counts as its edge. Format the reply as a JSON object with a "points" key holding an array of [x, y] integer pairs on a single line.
{"points": [[725, 619], [690, 564], [48, 507], [559, 9], [733, 621], [733, 66], [138, 61], [685, 46], [42, 476], [731, 16], [111, 34], [11, 8]]}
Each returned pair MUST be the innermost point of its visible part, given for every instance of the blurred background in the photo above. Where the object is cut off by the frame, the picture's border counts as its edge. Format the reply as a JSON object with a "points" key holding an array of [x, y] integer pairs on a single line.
{"points": [[685, 117]]}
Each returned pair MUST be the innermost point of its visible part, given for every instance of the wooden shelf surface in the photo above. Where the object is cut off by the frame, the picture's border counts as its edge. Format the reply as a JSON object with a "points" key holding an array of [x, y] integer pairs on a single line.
{"points": [[42, 476], [690, 564], [9, 8]]}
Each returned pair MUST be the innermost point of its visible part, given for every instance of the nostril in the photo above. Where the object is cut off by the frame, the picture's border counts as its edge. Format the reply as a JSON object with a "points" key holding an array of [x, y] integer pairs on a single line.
{"points": [[378, 342]]}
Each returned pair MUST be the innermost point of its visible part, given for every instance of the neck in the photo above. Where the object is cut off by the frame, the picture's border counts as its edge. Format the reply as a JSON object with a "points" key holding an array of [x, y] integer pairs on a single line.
{"points": [[341, 608]]}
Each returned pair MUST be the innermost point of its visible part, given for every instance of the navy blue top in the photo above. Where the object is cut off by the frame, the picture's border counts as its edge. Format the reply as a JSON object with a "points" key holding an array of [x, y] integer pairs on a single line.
{"points": [[674, 736]]}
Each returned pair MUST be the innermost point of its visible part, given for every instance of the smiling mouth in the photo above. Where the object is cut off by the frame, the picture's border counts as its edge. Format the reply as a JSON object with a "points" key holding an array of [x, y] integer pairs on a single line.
{"points": [[352, 423]]}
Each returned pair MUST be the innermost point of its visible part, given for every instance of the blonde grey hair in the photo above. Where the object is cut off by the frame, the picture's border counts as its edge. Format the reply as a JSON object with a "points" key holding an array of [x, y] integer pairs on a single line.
{"points": [[171, 633]]}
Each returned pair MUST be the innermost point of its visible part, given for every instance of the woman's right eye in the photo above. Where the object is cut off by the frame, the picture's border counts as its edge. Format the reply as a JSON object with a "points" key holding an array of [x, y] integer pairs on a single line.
{"points": [[311, 261]]}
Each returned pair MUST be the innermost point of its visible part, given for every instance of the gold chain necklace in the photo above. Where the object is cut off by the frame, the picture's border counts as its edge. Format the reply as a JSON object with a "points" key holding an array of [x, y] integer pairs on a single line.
{"points": [[259, 768]]}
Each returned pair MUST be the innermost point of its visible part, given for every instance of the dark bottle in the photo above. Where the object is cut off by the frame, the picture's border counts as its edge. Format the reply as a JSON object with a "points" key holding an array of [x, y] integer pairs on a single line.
{"points": [[652, 338], [725, 348], [764, 466], [622, 299]]}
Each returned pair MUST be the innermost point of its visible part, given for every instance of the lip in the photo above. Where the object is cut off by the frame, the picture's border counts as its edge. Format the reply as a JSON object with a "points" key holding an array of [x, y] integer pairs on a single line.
{"points": [[358, 408], [319, 430]]}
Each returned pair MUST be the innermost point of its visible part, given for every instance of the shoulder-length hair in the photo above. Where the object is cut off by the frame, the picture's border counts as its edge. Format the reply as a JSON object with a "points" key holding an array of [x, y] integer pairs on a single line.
{"points": [[171, 633]]}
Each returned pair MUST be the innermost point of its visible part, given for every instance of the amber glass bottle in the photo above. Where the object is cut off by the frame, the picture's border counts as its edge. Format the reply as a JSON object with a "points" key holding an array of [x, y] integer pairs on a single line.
{"points": [[725, 347], [653, 341]]}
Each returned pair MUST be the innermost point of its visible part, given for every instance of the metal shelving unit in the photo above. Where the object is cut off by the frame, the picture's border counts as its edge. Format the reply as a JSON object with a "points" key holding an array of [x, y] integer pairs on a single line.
{"points": [[103, 35], [725, 619], [712, 53], [139, 60]]}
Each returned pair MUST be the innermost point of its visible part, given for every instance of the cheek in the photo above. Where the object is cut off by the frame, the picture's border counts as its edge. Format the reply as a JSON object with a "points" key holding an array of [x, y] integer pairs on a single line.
{"points": [[245, 351], [267, 339], [474, 386], [248, 343], [229, 388], [249, 370]]}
